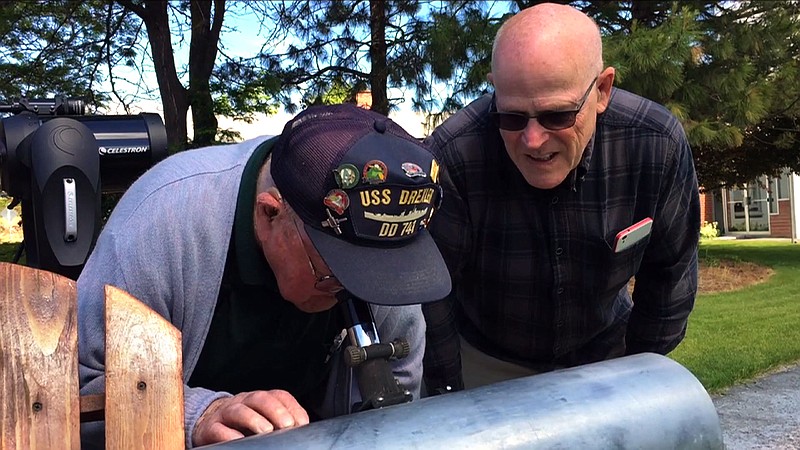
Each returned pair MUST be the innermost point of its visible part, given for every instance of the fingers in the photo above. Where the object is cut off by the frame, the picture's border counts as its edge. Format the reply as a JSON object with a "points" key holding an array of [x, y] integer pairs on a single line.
{"points": [[286, 412], [243, 416], [248, 413], [269, 409], [216, 432]]}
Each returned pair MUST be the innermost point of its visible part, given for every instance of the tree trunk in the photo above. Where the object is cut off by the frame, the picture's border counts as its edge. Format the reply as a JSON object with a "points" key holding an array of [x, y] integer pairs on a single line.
{"points": [[174, 97], [377, 52], [202, 55]]}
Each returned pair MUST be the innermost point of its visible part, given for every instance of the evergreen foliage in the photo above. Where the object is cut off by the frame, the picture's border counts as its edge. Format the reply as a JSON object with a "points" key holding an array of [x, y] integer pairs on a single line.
{"points": [[727, 70], [61, 48]]}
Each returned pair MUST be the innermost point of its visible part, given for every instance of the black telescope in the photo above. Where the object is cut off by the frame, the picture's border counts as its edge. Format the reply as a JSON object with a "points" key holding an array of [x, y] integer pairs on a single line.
{"points": [[57, 162]]}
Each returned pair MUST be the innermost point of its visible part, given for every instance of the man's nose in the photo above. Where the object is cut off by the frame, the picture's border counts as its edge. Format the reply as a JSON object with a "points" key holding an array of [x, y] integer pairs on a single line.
{"points": [[534, 134]]}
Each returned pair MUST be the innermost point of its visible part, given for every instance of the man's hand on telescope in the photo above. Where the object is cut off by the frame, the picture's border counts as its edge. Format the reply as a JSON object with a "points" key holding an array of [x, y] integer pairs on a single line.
{"points": [[246, 414]]}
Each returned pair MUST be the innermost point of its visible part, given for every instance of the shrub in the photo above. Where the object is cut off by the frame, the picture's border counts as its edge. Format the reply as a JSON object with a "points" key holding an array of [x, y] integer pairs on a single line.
{"points": [[709, 230]]}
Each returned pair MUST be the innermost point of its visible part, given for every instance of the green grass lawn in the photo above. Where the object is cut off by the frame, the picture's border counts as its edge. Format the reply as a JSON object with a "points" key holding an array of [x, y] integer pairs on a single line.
{"points": [[735, 336]]}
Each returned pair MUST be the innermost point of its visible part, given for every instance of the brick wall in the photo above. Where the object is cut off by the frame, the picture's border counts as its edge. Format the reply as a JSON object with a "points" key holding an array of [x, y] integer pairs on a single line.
{"points": [[706, 207], [780, 225]]}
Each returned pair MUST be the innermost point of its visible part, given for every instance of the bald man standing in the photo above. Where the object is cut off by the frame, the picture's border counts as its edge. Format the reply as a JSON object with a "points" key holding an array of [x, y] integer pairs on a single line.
{"points": [[558, 189]]}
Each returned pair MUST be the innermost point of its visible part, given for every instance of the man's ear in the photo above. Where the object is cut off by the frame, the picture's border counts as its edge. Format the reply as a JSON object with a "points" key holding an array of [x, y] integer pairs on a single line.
{"points": [[490, 77], [268, 206], [604, 84]]}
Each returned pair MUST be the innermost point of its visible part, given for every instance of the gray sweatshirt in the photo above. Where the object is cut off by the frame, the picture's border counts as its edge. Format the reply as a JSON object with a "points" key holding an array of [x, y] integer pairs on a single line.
{"points": [[166, 243]]}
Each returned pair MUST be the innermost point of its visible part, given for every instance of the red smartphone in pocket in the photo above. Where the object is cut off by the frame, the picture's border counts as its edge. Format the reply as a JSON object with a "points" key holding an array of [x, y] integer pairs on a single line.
{"points": [[633, 234]]}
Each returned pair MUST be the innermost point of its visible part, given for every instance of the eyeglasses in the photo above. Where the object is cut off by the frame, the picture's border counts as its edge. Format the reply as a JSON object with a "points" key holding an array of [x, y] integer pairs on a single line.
{"points": [[552, 120], [323, 283]]}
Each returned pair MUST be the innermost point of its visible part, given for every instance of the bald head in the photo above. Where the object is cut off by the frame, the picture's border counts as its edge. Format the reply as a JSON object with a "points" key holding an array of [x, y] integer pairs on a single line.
{"points": [[549, 39], [548, 59]]}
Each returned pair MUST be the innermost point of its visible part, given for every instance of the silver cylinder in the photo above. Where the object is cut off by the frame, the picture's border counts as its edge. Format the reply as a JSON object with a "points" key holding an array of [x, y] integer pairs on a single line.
{"points": [[644, 401]]}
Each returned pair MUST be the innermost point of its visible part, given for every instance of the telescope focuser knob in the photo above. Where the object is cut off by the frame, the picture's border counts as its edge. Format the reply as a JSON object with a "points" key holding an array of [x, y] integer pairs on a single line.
{"points": [[354, 356], [397, 349]]}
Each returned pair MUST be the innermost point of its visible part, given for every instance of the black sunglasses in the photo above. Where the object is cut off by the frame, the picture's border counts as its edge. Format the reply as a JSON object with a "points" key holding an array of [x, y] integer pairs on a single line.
{"points": [[552, 120]]}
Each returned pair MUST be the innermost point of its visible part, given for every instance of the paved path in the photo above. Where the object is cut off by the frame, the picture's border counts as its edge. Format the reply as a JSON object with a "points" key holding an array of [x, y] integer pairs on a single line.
{"points": [[762, 414]]}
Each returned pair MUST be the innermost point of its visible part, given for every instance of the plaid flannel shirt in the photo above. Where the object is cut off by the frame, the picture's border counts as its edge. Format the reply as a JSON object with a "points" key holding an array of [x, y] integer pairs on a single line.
{"points": [[535, 277]]}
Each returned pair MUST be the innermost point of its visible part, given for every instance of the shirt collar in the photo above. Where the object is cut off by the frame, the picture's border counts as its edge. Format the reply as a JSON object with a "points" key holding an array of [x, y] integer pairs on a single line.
{"points": [[253, 267]]}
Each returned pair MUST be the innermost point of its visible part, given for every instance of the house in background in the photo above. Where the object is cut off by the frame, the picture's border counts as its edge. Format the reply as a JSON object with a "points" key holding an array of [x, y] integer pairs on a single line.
{"points": [[765, 207]]}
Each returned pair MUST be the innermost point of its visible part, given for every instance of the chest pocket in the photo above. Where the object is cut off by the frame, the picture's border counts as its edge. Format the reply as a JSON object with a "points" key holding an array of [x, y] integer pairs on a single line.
{"points": [[605, 270], [624, 264]]}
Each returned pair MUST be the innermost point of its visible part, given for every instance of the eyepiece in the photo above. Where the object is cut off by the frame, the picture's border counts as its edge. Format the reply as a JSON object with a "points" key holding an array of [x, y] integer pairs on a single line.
{"points": [[73, 106]]}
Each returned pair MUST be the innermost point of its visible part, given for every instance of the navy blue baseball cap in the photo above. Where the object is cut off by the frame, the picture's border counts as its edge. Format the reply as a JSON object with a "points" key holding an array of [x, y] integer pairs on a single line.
{"points": [[365, 190]]}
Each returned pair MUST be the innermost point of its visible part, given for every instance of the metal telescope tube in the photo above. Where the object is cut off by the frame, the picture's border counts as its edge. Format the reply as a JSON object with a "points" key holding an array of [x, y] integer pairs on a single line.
{"points": [[644, 401]]}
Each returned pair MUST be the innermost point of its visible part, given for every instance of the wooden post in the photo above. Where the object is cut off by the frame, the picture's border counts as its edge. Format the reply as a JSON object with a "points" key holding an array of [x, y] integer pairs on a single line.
{"points": [[39, 406], [144, 381]]}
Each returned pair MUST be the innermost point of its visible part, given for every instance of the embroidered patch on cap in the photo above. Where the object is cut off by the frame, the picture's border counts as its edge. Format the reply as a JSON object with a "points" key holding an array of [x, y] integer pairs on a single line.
{"points": [[392, 212]]}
